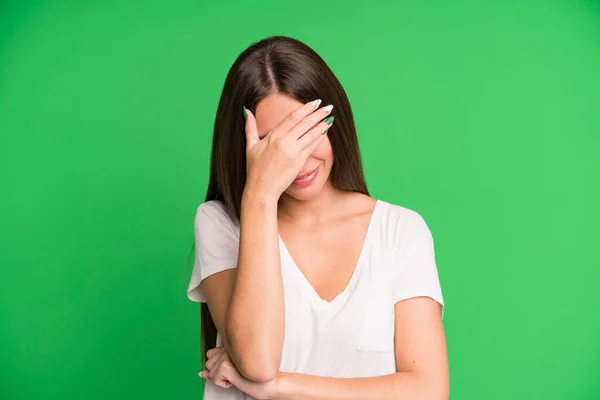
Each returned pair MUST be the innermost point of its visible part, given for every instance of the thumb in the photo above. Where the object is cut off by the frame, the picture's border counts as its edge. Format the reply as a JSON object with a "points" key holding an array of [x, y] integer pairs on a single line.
{"points": [[250, 129]]}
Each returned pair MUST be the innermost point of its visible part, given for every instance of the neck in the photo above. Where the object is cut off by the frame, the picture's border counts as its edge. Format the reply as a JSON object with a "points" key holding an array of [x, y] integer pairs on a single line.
{"points": [[320, 208]]}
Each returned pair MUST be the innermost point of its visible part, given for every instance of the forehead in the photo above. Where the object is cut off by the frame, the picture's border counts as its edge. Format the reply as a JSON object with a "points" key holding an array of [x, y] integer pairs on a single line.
{"points": [[271, 110]]}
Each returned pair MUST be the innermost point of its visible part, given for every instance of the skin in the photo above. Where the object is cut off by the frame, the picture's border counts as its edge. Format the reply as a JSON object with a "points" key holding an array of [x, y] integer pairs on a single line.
{"points": [[246, 300], [315, 223]]}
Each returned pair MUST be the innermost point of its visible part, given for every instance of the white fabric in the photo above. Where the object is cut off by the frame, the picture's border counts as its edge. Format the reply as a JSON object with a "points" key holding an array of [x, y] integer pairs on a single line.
{"points": [[352, 336]]}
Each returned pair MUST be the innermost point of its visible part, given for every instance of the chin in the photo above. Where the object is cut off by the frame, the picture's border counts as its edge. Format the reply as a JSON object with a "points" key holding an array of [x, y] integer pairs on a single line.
{"points": [[305, 193]]}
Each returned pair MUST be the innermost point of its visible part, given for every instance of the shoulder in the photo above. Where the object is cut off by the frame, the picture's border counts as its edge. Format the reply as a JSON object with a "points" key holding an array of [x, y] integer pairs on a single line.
{"points": [[404, 217], [402, 226], [214, 213], [212, 207]]}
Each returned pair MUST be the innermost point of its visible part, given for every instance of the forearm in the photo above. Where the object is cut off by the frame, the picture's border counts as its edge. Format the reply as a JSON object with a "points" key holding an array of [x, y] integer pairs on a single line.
{"points": [[255, 321], [397, 386]]}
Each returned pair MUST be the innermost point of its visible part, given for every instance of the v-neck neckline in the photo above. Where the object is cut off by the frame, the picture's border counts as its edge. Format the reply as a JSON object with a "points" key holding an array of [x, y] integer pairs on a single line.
{"points": [[355, 274]]}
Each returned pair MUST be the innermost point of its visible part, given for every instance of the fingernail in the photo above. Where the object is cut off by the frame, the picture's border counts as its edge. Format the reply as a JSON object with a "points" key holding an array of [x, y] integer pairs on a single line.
{"points": [[325, 133], [245, 113], [329, 120], [316, 103], [328, 108]]}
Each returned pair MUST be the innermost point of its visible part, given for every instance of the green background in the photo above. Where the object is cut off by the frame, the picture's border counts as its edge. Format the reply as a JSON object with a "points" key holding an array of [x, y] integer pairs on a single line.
{"points": [[482, 116]]}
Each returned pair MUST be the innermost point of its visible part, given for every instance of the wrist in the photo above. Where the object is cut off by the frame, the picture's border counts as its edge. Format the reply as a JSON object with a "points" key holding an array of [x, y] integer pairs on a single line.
{"points": [[258, 199]]}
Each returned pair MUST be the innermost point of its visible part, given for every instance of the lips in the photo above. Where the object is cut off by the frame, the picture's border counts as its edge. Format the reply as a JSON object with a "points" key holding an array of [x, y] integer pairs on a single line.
{"points": [[302, 176], [306, 179]]}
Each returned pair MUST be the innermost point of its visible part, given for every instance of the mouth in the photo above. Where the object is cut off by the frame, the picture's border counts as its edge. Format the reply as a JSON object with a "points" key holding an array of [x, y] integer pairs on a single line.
{"points": [[306, 178], [307, 174]]}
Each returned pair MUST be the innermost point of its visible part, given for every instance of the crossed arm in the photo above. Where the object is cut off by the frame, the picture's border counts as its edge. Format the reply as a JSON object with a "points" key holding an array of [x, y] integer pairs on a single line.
{"points": [[242, 299], [420, 358], [420, 350]]}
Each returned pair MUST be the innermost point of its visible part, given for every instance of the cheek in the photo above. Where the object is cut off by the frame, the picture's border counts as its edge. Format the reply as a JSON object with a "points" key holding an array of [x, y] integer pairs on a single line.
{"points": [[323, 152]]}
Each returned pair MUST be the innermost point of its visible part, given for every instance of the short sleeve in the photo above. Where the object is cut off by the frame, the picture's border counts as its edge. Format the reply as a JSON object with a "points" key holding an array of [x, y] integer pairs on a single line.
{"points": [[216, 239], [416, 272]]}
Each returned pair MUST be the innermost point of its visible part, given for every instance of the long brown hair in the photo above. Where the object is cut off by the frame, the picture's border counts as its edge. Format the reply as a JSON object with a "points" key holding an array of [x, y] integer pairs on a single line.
{"points": [[277, 64]]}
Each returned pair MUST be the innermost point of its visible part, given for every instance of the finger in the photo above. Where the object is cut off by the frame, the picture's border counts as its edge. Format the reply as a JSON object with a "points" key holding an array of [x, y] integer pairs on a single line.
{"points": [[316, 134], [212, 373], [214, 350], [250, 129], [217, 374], [313, 146], [295, 117], [309, 122], [222, 375], [213, 360], [224, 383], [210, 352], [210, 364]]}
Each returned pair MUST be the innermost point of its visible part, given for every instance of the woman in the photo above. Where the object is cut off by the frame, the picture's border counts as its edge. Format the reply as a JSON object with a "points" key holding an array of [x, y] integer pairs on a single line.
{"points": [[316, 290]]}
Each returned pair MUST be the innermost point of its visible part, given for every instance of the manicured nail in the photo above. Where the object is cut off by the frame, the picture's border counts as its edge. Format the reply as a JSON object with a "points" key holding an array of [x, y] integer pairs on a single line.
{"points": [[245, 113], [325, 133], [329, 120], [328, 108], [316, 103]]}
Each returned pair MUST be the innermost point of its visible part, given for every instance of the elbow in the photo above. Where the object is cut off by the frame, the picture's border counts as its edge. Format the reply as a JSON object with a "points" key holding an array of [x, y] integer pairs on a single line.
{"points": [[258, 363], [432, 394], [261, 372], [437, 390], [443, 392], [429, 387], [440, 395]]}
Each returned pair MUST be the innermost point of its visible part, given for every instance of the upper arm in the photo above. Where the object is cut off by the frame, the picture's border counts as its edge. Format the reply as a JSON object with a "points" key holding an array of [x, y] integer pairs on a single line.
{"points": [[216, 240], [419, 339], [420, 343], [416, 271], [218, 289]]}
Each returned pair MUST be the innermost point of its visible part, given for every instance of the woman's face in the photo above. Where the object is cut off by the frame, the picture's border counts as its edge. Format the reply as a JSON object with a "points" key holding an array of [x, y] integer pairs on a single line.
{"points": [[269, 113]]}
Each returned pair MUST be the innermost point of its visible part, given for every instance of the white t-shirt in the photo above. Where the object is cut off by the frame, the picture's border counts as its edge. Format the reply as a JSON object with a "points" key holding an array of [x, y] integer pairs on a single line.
{"points": [[353, 335]]}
